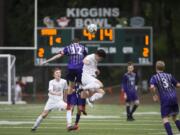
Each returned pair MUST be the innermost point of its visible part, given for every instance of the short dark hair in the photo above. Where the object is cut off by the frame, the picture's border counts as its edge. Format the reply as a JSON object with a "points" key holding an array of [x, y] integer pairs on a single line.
{"points": [[56, 69], [160, 65], [75, 40], [130, 63], [101, 53]]}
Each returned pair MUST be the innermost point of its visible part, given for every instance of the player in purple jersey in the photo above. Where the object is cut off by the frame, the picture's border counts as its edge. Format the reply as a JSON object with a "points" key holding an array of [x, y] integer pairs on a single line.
{"points": [[130, 91], [76, 53], [76, 100], [166, 86]]}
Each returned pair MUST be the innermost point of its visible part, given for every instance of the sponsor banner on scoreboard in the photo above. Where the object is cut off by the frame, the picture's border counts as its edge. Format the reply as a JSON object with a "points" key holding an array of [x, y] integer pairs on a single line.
{"points": [[81, 17]]}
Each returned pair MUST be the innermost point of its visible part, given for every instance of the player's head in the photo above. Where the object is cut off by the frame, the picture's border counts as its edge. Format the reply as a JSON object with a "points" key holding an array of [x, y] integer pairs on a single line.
{"points": [[76, 40], [160, 66], [100, 55], [57, 73], [130, 67]]}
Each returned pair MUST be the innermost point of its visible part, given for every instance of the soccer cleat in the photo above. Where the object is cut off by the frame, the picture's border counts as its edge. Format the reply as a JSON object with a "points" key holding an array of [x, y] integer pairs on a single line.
{"points": [[33, 129], [84, 112], [130, 118], [71, 128]]}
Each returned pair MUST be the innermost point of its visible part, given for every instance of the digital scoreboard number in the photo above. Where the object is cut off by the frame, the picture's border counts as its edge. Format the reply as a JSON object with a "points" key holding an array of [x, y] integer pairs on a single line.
{"points": [[105, 35], [121, 44]]}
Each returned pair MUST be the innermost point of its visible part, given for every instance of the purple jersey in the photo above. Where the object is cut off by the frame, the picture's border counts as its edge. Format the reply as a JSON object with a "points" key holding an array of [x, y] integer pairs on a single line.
{"points": [[76, 53], [129, 83], [166, 85]]}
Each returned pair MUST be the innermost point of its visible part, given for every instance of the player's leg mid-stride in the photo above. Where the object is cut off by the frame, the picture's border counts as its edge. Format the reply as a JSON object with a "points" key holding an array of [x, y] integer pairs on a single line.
{"points": [[95, 90], [81, 103]]}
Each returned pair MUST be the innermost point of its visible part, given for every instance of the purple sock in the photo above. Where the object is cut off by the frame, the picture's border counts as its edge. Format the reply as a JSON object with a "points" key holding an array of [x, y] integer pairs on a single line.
{"points": [[128, 111], [177, 122], [167, 126], [134, 109]]}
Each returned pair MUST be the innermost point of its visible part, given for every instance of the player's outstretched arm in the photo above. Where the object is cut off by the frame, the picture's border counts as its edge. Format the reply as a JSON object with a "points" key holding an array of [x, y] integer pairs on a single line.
{"points": [[53, 58]]}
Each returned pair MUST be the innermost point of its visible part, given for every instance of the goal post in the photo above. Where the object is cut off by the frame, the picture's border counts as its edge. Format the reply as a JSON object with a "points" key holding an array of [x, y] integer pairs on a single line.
{"points": [[7, 78]]}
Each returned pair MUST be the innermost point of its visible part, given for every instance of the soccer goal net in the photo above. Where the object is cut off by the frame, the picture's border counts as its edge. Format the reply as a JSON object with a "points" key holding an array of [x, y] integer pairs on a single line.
{"points": [[7, 78]]}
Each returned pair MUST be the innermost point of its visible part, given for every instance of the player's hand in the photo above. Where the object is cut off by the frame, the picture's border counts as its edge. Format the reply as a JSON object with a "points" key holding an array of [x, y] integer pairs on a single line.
{"points": [[155, 98], [43, 62], [58, 94], [136, 87]]}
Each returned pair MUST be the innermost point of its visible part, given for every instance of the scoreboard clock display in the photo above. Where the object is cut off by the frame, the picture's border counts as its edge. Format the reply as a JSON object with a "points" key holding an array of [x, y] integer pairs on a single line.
{"points": [[121, 44], [101, 36]]}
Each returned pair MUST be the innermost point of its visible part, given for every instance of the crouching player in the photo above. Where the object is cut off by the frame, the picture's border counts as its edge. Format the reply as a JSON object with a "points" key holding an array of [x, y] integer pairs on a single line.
{"points": [[57, 86], [166, 85], [130, 91]]}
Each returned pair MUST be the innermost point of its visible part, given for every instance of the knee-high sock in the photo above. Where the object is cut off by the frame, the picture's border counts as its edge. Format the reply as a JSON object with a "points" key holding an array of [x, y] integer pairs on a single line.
{"points": [[134, 109], [96, 96], [177, 122], [69, 117], [37, 122], [78, 116], [128, 110], [167, 126]]}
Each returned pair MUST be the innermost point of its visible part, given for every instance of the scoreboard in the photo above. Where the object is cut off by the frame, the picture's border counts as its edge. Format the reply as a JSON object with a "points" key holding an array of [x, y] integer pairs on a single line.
{"points": [[121, 44]]}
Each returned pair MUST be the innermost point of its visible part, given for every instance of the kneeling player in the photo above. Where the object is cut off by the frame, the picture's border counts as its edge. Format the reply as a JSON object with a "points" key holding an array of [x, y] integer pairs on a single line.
{"points": [[90, 71], [129, 88], [55, 101], [166, 85]]}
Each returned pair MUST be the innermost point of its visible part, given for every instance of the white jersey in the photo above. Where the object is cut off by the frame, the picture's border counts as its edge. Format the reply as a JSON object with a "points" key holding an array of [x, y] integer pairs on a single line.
{"points": [[57, 86], [90, 68]]}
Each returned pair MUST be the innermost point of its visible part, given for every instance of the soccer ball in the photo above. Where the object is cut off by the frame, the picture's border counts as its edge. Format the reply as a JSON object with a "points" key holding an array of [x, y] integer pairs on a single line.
{"points": [[92, 28]]}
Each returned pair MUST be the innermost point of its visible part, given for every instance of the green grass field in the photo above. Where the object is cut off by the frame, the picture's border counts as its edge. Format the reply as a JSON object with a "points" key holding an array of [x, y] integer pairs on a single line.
{"points": [[101, 120]]}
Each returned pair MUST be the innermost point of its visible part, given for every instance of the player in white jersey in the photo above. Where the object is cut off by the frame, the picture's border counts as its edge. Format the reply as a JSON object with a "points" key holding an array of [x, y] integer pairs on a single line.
{"points": [[90, 72], [57, 86]]}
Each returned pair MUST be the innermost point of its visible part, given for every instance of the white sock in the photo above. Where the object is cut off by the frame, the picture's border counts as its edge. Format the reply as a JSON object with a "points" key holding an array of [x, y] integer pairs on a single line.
{"points": [[89, 103], [69, 117], [96, 96], [92, 86], [38, 121]]}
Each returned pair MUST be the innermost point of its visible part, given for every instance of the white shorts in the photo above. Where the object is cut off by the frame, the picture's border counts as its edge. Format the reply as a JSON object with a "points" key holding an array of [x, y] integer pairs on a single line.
{"points": [[52, 104], [89, 79]]}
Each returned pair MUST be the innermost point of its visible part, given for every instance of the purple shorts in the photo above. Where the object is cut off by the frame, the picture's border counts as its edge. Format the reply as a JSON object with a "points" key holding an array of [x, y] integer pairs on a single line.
{"points": [[131, 97], [74, 75], [76, 100], [169, 109]]}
